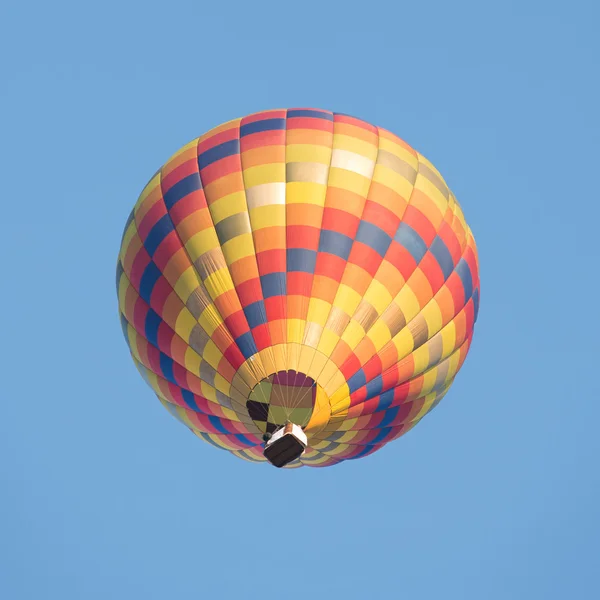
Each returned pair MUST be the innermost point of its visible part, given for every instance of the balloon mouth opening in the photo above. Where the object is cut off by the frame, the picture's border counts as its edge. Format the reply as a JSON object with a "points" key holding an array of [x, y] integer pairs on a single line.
{"points": [[282, 397]]}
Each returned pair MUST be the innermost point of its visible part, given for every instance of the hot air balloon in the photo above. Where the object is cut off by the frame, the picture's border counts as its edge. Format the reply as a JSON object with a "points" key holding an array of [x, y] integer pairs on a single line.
{"points": [[298, 286]]}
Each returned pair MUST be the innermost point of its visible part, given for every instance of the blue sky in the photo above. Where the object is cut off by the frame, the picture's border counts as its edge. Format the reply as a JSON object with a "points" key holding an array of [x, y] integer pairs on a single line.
{"points": [[494, 495]]}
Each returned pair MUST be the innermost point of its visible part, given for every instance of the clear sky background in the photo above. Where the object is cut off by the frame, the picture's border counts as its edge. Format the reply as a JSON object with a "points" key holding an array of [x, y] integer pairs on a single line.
{"points": [[495, 495]]}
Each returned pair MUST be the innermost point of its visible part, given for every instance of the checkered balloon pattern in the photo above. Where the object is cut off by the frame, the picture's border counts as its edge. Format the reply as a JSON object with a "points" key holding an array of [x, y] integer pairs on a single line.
{"points": [[298, 265]]}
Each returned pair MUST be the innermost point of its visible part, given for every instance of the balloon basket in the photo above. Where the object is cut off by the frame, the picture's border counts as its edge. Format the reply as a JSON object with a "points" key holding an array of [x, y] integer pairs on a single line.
{"points": [[286, 445]]}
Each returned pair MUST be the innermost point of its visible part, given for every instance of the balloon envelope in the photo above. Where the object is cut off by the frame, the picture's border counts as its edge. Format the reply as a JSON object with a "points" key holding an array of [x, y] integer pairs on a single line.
{"points": [[298, 265]]}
